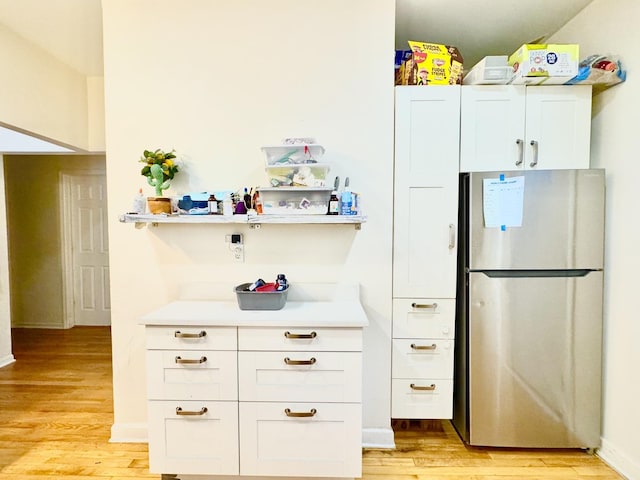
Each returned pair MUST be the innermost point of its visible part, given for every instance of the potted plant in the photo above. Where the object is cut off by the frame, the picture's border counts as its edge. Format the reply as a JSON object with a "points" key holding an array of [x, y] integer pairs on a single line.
{"points": [[159, 169]]}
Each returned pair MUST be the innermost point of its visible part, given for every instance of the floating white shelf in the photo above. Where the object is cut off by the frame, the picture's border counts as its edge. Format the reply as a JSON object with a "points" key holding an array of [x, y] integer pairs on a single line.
{"points": [[254, 221]]}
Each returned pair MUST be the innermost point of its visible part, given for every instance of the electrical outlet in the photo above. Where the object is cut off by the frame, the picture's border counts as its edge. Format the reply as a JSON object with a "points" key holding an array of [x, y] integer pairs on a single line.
{"points": [[238, 252]]}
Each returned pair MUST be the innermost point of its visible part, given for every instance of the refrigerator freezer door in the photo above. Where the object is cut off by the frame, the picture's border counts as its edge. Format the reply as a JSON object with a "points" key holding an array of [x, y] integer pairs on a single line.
{"points": [[535, 361], [562, 223]]}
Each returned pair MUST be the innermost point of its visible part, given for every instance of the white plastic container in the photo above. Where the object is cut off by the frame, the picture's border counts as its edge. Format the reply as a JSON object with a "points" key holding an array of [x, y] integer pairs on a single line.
{"points": [[293, 154], [307, 175], [491, 70], [295, 200]]}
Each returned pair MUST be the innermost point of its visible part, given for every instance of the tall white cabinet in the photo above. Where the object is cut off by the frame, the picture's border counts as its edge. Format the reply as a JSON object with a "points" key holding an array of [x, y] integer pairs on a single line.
{"points": [[525, 127], [424, 250]]}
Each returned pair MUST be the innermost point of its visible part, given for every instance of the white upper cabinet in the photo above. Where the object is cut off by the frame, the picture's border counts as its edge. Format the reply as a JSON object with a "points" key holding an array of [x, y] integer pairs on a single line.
{"points": [[519, 127]]}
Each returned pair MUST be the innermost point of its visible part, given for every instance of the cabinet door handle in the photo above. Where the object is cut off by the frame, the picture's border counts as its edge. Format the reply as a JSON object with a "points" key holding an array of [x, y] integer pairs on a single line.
{"points": [[534, 145], [520, 159], [433, 305], [179, 334], [426, 387], [310, 413], [300, 335], [181, 360], [288, 361], [202, 411], [433, 346], [452, 236]]}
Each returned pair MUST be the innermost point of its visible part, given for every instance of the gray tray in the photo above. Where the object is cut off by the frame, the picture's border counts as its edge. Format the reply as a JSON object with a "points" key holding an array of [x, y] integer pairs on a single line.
{"points": [[260, 300]]}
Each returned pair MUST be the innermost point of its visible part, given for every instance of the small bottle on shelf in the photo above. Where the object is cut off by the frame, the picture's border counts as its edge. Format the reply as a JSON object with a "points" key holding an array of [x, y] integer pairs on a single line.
{"points": [[139, 203], [334, 204], [257, 203], [212, 204]]}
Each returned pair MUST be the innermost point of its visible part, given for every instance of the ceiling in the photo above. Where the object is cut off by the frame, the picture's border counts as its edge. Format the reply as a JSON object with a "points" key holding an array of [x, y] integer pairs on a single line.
{"points": [[71, 30], [481, 27]]}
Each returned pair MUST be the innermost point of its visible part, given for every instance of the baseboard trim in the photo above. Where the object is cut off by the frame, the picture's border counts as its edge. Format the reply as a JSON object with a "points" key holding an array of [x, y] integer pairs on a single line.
{"points": [[378, 438], [7, 360], [620, 462], [129, 433]]}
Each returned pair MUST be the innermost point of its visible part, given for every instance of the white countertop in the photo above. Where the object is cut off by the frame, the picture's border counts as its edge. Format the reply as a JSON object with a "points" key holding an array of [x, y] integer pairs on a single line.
{"points": [[337, 313]]}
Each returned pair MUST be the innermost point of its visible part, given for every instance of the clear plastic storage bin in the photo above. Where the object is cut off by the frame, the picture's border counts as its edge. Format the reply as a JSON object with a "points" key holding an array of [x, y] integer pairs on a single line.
{"points": [[295, 200], [308, 175]]}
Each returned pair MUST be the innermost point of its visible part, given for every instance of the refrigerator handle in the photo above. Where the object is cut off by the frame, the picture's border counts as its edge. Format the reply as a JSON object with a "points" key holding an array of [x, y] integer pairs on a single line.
{"points": [[452, 236], [534, 162], [520, 159]]}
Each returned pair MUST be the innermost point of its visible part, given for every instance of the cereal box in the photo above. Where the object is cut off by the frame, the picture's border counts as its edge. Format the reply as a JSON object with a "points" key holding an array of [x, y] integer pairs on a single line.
{"points": [[434, 64], [534, 64]]}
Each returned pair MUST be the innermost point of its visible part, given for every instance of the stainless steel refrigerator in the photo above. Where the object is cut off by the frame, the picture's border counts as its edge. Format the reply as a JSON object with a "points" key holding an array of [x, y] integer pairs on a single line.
{"points": [[529, 309]]}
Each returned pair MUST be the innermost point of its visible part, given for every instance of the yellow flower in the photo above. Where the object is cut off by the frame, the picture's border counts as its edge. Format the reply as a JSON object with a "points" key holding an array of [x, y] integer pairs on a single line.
{"points": [[168, 163]]}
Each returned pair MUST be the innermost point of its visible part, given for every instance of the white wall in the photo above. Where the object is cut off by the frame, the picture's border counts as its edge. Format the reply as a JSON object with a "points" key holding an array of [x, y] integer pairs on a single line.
{"points": [[216, 81], [6, 355], [610, 27], [40, 94]]}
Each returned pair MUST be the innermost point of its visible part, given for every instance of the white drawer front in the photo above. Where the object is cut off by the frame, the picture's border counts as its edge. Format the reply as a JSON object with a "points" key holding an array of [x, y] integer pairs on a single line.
{"points": [[422, 358], [300, 339], [193, 444], [424, 318], [427, 399], [191, 338], [327, 444], [213, 377], [300, 376]]}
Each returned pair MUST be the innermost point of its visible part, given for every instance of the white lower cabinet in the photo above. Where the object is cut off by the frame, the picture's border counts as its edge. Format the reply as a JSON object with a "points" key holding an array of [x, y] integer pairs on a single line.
{"points": [[300, 439], [255, 401], [197, 437], [422, 358]]}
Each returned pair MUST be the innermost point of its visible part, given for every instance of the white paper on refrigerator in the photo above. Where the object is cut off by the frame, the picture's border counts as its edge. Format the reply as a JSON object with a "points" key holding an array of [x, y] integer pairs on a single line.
{"points": [[503, 202]]}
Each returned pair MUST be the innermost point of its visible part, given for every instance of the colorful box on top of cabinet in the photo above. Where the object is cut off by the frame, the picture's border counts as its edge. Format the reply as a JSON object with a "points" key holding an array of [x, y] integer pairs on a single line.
{"points": [[431, 64], [537, 63]]}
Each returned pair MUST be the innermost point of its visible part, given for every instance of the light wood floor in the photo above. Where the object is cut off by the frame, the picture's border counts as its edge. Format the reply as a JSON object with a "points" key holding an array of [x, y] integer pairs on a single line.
{"points": [[56, 413]]}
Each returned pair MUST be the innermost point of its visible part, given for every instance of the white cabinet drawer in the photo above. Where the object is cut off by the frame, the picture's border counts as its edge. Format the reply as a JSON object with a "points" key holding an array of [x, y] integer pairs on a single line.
{"points": [[422, 398], [424, 318], [300, 339], [192, 375], [326, 443], [191, 338], [300, 376], [422, 358], [204, 442]]}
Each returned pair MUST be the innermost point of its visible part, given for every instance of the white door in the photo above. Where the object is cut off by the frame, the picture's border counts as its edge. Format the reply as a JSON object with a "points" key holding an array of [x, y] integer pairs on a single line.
{"points": [[426, 191], [86, 250], [492, 128], [558, 126]]}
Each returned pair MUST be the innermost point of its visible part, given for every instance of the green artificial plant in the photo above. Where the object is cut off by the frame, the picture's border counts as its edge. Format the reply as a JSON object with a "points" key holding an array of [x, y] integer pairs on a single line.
{"points": [[159, 169]]}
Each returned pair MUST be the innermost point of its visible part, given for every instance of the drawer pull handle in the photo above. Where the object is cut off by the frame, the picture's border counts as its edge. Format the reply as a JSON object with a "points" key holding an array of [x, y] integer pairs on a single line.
{"points": [[300, 335], [288, 361], [310, 413], [202, 411], [179, 334], [181, 360], [433, 305], [433, 346], [418, 387]]}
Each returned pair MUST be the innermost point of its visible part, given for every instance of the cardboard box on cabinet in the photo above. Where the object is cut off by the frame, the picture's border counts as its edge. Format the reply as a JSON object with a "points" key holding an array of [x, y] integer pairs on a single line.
{"points": [[431, 64], [535, 64]]}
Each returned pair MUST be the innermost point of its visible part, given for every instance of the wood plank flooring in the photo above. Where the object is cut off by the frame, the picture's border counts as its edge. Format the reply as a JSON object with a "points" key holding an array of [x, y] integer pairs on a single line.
{"points": [[56, 412]]}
